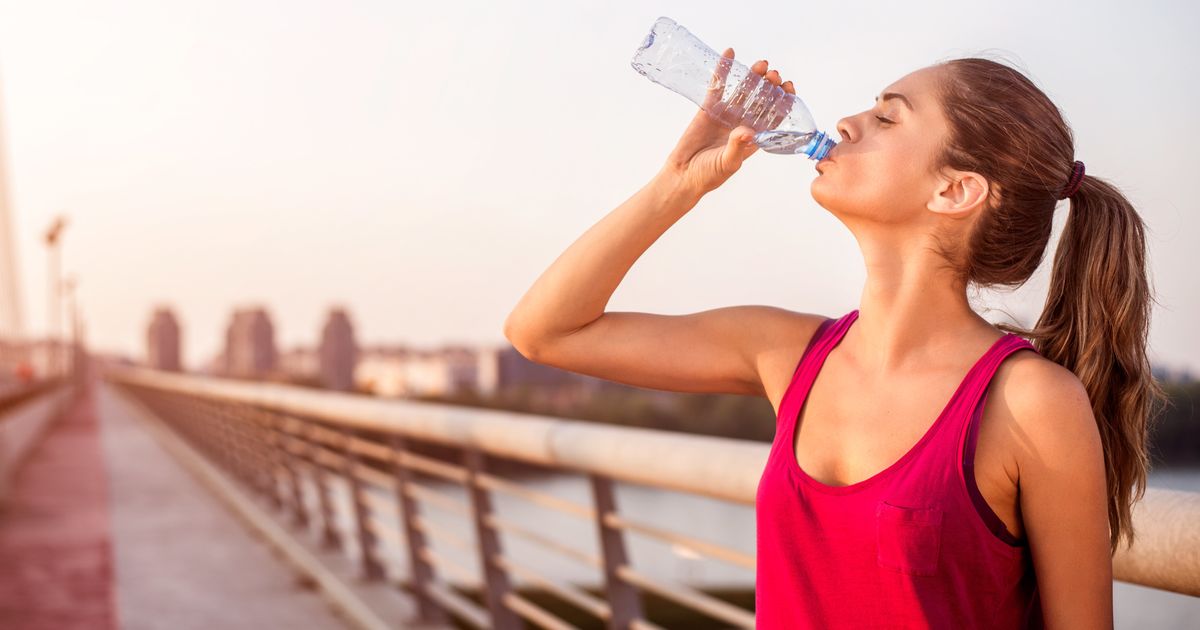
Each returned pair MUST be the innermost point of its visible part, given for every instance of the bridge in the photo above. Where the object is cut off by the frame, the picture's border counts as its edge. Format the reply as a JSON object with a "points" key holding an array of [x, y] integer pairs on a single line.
{"points": [[143, 498]]}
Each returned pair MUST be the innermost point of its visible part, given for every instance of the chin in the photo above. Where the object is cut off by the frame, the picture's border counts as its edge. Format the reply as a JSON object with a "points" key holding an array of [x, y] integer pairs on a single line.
{"points": [[821, 194]]}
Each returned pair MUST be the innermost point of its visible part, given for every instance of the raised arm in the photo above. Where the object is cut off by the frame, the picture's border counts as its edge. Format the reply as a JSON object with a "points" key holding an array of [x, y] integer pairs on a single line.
{"points": [[561, 320]]}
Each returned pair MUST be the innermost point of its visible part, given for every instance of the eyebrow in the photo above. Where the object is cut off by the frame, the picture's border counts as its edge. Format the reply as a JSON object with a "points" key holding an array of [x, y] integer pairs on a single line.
{"points": [[890, 95]]}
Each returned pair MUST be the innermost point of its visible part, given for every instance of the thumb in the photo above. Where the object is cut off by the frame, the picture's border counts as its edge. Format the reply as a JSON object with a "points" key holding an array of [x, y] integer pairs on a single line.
{"points": [[738, 147]]}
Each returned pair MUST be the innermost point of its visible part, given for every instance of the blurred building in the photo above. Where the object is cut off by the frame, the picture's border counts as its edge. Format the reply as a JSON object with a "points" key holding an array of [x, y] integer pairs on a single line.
{"points": [[404, 372], [162, 341], [1168, 374], [489, 372], [338, 352], [300, 363], [502, 368], [250, 344]]}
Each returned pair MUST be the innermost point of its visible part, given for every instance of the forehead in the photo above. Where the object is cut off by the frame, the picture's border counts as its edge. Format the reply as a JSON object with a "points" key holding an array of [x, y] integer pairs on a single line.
{"points": [[918, 86]]}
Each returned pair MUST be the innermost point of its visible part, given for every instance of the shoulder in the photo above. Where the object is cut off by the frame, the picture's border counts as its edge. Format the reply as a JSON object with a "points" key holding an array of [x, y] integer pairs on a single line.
{"points": [[781, 340], [1046, 410]]}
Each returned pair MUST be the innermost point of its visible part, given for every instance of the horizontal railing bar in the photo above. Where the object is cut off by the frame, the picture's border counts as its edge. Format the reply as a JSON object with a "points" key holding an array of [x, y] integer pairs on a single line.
{"points": [[375, 478], [642, 624], [449, 566], [1165, 555], [544, 499], [534, 613], [377, 503], [689, 597], [318, 433], [502, 524], [319, 455], [713, 550], [585, 601], [1167, 551], [433, 497], [470, 612], [440, 533], [377, 452], [431, 466], [723, 468], [385, 531]]}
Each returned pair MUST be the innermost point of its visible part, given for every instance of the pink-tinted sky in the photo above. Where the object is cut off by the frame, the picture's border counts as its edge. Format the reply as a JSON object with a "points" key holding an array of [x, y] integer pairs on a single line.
{"points": [[423, 163]]}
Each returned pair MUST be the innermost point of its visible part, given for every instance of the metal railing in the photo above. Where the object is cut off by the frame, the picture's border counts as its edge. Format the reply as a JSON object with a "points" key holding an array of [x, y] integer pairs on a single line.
{"points": [[26, 412], [293, 444]]}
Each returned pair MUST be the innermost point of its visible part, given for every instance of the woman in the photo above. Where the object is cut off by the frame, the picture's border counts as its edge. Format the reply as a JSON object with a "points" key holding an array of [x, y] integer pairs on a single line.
{"points": [[882, 504]]}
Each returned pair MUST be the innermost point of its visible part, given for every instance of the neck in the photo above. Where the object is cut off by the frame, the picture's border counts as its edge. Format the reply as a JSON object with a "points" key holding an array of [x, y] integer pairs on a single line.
{"points": [[913, 314]]}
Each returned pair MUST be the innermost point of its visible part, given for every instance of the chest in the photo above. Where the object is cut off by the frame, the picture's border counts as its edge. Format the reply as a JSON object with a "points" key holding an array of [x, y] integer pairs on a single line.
{"points": [[847, 431]]}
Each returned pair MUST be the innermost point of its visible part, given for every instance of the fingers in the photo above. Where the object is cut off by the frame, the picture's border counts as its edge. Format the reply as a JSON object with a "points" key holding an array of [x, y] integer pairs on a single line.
{"points": [[780, 100], [745, 92], [761, 106], [764, 104], [739, 146], [716, 87]]}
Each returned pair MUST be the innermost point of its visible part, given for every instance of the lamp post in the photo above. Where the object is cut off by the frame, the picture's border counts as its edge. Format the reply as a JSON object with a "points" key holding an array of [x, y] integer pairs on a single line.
{"points": [[54, 299], [69, 285]]}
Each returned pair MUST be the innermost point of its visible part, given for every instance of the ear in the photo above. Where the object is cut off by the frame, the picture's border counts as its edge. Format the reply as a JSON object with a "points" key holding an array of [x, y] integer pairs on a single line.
{"points": [[959, 193]]}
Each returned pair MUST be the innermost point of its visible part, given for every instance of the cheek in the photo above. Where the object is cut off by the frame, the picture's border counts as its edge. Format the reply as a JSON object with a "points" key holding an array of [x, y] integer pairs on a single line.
{"points": [[869, 189]]}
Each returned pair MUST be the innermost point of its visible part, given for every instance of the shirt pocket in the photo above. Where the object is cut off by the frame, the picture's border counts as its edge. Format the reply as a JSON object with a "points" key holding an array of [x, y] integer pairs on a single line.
{"points": [[908, 539]]}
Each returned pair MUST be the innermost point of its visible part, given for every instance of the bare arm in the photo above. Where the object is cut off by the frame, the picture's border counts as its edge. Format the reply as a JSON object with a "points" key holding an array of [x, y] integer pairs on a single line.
{"points": [[1063, 495], [561, 320]]}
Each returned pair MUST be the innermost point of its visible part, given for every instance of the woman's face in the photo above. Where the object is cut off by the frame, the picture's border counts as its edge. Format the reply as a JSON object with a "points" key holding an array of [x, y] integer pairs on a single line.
{"points": [[881, 169]]}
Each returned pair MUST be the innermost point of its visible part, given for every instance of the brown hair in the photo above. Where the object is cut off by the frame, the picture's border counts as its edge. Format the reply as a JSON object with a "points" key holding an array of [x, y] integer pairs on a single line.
{"points": [[1097, 312]]}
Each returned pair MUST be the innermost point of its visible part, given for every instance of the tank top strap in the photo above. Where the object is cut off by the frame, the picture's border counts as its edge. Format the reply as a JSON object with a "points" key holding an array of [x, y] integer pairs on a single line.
{"points": [[827, 335], [975, 392], [968, 433]]}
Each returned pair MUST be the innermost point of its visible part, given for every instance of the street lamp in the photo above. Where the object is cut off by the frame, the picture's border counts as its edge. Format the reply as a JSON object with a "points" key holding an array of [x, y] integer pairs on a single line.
{"points": [[69, 285], [53, 234]]}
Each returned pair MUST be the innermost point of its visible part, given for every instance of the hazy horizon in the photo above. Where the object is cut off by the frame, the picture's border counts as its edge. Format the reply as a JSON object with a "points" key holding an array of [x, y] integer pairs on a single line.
{"points": [[421, 165]]}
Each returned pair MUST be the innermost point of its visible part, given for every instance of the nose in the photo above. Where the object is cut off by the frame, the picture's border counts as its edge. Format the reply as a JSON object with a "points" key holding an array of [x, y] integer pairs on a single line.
{"points": [[843, 128]]}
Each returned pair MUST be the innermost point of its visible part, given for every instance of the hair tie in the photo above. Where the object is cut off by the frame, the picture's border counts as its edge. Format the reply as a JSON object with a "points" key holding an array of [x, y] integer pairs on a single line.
{"points": [[1075, 180]]}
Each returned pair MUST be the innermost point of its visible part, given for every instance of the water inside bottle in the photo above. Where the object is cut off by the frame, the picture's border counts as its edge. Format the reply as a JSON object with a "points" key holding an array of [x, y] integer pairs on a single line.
{"points": [[783, 142], [814, 144]]}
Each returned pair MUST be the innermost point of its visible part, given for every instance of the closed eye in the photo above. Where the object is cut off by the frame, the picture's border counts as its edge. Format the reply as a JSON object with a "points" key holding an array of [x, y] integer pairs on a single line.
{"points": [[885, 121]]}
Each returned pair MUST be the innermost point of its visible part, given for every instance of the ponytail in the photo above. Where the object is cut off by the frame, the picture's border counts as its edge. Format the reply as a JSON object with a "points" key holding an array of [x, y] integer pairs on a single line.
{"points": [[1095, 323], [1097, 313]]}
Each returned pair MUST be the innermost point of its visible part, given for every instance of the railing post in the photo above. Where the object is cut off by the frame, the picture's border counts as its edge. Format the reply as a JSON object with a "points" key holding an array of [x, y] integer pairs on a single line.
{"points": [[272, 452], [497, 585], [329, 534], [262, 462], [224, 441], [248, 462], [207, 432], [290, 462], [420, 572], [623, 598], [372, 569]]}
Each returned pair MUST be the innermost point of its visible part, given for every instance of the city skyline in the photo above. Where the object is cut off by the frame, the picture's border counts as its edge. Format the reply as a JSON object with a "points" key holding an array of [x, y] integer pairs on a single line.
{"points": [[212, 156]]}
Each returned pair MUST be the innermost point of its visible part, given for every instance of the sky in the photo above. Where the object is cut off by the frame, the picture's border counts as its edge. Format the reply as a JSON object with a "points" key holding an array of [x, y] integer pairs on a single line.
{"points": [[422, 163]]}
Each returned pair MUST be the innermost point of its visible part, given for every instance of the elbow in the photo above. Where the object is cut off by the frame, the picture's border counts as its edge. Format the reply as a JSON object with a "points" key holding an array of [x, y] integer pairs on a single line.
{"points": [[521, 340]]}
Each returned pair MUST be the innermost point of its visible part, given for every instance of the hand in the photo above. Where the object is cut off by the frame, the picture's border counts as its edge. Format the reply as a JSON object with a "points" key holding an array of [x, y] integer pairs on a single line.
{"points": [[709, 152]]}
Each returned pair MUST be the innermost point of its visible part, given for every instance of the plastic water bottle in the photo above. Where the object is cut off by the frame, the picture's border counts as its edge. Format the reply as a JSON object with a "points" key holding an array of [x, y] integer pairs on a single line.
{"points": [[729, 91]]}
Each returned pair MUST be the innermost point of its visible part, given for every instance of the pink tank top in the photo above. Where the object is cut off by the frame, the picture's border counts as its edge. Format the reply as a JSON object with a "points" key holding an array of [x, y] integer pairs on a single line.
{"points": [[914, 546]]}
